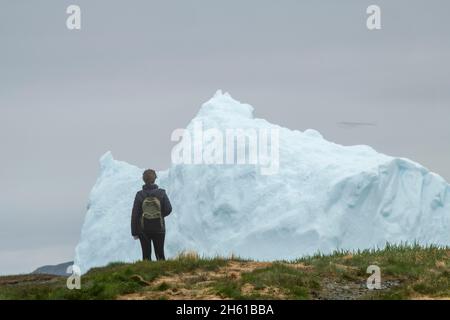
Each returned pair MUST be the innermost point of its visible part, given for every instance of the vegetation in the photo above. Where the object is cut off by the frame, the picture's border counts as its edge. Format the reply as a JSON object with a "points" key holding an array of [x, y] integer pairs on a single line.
{"points": [[407, 272]]}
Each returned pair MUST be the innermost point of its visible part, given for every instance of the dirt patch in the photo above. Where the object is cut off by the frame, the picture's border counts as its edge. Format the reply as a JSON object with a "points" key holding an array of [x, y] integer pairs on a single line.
{"points": [[193, 285], [234, 269], [270, 291], [173, 294], [248, 289]]}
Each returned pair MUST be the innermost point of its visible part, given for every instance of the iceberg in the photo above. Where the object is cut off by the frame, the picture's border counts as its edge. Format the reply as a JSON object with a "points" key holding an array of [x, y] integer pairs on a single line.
{"points": [[323, 197]]}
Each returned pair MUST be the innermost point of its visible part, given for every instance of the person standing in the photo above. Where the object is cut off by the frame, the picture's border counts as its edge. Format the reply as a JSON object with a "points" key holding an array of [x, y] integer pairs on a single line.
{"points": [[151, 206]]}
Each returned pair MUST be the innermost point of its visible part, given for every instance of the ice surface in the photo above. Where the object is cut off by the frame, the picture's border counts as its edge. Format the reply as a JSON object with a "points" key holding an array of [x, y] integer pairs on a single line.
{"points": [[324, 197]]}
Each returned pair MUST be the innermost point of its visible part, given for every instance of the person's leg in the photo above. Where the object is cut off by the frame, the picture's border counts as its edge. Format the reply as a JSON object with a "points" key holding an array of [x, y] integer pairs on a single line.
{"points": [[146, 246], [158, 244]]}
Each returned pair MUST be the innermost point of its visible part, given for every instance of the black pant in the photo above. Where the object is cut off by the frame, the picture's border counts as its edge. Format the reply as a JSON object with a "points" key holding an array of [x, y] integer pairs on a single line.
{"points": [[157, 238]]}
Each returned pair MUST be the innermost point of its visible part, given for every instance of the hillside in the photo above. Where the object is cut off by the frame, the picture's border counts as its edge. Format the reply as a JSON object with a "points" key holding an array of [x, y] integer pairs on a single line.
{"points": [[57, 269], [407, 272]]}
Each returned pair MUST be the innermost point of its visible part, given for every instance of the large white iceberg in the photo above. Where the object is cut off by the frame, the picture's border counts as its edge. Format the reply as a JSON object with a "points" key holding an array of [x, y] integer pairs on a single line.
{"points": [[323, 197]]}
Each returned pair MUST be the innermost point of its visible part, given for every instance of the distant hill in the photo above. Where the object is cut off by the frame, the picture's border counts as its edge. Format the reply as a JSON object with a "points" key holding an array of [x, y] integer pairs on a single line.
{"points": [[57, 269]]}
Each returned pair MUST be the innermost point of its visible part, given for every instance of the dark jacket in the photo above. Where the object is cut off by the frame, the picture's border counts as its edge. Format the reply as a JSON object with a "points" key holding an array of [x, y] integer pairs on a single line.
{"points": [[148, 190]]}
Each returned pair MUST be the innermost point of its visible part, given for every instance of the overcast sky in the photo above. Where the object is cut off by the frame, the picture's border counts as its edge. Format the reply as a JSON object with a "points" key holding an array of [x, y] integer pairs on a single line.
{"points": [[137, 70]]}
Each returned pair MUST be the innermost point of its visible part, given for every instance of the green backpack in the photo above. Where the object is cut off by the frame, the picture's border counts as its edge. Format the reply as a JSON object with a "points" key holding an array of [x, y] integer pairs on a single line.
{"points": [[151, 211]]}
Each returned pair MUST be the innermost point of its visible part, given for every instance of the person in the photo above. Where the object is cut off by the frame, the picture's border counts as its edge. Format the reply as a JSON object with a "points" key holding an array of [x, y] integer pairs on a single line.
{"points": [[151, 206]]}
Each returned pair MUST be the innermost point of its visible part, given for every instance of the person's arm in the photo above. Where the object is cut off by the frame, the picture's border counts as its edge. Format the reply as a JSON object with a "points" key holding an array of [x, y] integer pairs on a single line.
{"points": [[137, 207], [167, 206]]}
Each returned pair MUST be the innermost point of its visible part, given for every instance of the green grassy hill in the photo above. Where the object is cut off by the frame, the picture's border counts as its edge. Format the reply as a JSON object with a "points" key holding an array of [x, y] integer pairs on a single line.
{"points": [[407, 272]]}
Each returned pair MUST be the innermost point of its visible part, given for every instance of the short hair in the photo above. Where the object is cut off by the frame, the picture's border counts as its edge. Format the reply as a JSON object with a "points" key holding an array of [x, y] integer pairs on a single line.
{"points": [[149, 176]]}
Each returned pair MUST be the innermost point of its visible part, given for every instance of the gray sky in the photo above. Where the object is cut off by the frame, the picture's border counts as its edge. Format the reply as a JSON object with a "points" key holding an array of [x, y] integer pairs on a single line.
{"points": [[139, 69]]}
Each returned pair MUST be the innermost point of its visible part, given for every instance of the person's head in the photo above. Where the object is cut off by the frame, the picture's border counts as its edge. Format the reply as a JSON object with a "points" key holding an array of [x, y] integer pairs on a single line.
{"points": [[149, 176]]}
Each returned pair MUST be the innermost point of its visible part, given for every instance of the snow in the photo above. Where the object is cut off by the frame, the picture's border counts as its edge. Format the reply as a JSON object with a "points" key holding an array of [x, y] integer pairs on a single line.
{"points": [[323, 197]]}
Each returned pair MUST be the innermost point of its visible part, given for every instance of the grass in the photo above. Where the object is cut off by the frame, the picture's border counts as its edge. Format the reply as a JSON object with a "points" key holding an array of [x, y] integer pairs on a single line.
{"points": [[412, 272], [275, 281], [110, 281], [421, 271]]}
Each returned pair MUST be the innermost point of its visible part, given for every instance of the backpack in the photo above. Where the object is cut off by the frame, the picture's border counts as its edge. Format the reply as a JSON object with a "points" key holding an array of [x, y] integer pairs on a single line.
{"points": [[151, 212]]}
